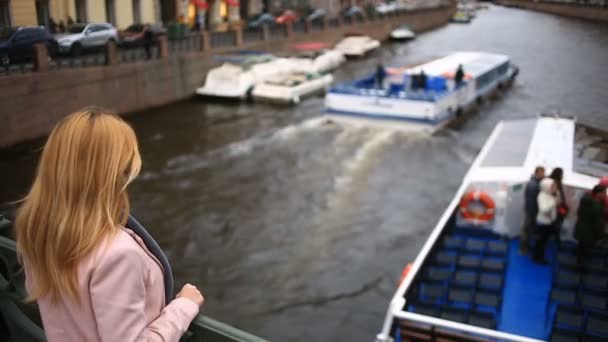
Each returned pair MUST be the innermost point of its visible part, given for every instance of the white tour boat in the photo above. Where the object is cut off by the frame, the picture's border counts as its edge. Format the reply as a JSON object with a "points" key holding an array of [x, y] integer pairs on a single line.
{"points": [[402, 32], [403, 102], [470, 283], [357, 46], [292, 87]]}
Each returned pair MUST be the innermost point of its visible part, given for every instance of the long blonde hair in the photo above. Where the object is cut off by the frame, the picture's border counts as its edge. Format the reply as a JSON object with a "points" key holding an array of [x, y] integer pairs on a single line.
{"points": [[77, 200]]}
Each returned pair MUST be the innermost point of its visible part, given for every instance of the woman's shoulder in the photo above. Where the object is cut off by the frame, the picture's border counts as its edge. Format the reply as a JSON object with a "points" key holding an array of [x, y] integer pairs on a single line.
{"points": [[119, 248]]}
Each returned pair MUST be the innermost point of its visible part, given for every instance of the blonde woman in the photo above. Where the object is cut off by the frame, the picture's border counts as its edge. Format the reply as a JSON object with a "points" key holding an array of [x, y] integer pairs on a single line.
{"points": [[94, 280]]}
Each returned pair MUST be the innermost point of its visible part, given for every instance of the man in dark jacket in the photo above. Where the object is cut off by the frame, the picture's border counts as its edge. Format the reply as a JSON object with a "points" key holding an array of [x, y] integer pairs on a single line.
{"points": [[530, 208], [590, 221]]}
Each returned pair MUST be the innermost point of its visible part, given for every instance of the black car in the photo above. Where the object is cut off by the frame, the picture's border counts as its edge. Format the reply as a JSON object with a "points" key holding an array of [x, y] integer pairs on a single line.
{"points": [[17, 44]]}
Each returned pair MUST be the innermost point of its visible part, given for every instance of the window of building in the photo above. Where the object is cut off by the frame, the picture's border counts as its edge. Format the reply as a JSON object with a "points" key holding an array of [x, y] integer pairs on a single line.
{"points": [[111, 12], [5, 14], [81, 11], [42, 12], [137, 11]]}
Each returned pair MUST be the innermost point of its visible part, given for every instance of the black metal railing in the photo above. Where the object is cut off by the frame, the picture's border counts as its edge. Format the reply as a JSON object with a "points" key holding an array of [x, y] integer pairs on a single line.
{"points": [[191, 42], [252, 35], [277, 32], [223, 39], [299, 26]]}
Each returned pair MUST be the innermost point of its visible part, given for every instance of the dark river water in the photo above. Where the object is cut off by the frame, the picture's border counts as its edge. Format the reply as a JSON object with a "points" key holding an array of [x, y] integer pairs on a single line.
{"points": [[298, 231]]}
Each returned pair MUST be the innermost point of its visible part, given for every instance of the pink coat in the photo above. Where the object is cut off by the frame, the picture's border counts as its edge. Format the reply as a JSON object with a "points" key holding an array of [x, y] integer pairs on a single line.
{"points": [[122, 299]]}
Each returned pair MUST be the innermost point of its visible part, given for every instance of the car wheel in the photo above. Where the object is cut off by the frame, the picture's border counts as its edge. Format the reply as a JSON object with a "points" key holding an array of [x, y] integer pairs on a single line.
{"points": [[5, 60], [76, 49]]}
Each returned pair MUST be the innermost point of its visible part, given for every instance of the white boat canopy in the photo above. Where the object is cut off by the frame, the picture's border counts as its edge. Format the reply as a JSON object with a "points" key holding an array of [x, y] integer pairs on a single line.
{"points": [[474, 64]]}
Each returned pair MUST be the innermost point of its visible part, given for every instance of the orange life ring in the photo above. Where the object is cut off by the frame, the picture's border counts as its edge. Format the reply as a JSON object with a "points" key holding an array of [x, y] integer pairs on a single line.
{"points": [[405, 271], [477, 196]]}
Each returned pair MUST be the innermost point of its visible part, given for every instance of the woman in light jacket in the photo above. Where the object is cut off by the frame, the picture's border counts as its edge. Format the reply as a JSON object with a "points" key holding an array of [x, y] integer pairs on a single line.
{"points": [[94, 280], [547, 213]]}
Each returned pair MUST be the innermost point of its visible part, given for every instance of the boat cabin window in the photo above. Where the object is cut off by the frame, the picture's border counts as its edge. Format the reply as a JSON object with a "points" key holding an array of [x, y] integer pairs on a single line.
{"points": [[590, 151], [510, 148], [491, 75]]}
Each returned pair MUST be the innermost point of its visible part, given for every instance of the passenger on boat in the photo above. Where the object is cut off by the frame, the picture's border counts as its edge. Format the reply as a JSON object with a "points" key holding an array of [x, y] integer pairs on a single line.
{"points": [[380, 75], [547, 213], [590, 223], [422, 80], [562, 206], [459, 76], [95, 280], [530, 208]]}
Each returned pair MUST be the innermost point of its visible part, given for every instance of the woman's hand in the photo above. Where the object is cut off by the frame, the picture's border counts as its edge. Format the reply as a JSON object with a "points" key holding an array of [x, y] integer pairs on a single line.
{"points": [[191, 292]]}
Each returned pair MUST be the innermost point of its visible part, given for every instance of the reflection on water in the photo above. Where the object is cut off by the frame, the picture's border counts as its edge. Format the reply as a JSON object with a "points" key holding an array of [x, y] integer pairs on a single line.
{"points": [[297, 229]]}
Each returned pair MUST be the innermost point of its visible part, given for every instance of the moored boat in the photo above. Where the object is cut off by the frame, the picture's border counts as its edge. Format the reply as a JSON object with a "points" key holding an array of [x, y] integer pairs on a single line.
{"points": [[316, 57], [402, 102], [232, 80], [470, 283], [357, 45], [461, 17], [291, 88], [402, 32]]}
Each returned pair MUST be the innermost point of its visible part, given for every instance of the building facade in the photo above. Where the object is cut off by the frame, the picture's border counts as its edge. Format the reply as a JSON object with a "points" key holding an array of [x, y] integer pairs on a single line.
{"points": [[121, 13]]}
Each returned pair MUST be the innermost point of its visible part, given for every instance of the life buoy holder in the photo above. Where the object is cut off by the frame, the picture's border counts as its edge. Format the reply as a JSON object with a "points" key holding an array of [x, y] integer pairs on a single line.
{"points": [[405, 272], [485, 215]]}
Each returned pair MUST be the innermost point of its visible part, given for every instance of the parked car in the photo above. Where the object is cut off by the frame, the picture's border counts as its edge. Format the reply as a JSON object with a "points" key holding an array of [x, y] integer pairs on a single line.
{"points": [[384, 8], [17, 44], [134, 35], [288, 16], [354, 12], [262, 19], [82, 37], [316, 14]]}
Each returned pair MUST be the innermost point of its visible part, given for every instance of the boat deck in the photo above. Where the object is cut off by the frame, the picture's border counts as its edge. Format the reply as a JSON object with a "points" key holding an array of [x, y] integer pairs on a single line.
{"points": [[477, 277]]}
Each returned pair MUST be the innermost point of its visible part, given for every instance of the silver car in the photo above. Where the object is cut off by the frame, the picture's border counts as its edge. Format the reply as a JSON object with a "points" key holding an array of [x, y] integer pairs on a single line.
{"points": [[80, 37]]}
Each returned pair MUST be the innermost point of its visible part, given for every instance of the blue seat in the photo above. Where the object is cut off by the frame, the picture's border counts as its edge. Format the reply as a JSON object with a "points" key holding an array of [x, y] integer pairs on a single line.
{"points": [[453, 314], [566, 297], [493, 264], [465, 278], [475, 245], [564, 335], [497, 247], [453, 242], [597, 325], [482, 319], [445, 258], [437, 273], [460, 295], [432, 292], [594, 300], [569, 318], [491, 281], [469, 261], [488, 299], [395, 88]]}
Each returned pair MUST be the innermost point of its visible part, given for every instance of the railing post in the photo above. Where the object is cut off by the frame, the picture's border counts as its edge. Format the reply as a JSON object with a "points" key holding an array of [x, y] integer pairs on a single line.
{"points": [[205, 41], [265, 33], [163, 47], [289, 29], [238, 36], [308, 26], [41, 58], [111, 53], [325, 24]]}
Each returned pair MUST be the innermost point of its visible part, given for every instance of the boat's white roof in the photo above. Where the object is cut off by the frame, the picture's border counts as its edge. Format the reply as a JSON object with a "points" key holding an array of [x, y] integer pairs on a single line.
{"points": [[473, 63], [517, 147]]}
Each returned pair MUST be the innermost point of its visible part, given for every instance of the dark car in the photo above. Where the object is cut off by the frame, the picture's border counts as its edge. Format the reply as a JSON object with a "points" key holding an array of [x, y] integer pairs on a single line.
{"points": [[262, 19], [17, 44], [135, 34]]}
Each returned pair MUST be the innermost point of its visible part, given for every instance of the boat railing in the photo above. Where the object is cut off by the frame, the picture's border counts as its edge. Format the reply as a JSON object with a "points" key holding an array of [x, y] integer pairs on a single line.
{"points": [[367, 87]]}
